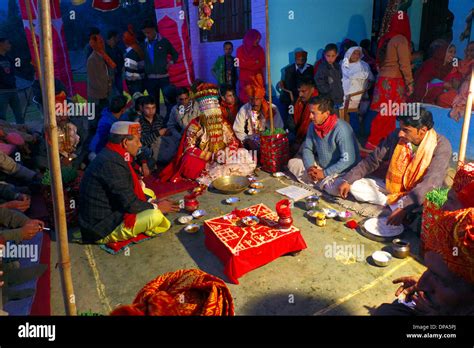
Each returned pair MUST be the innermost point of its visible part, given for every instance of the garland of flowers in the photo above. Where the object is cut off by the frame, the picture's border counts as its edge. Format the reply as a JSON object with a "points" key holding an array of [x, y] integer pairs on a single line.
{"points": [[205, 21]]}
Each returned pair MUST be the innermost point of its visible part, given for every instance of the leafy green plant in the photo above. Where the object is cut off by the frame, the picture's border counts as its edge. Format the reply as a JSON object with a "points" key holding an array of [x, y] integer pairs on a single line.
{"points": [[68, 175], [438, 196]]}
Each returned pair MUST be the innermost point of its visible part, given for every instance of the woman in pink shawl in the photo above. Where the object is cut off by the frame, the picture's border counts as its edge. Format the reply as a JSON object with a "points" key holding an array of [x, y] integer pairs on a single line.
{"points": [[251, 58]]}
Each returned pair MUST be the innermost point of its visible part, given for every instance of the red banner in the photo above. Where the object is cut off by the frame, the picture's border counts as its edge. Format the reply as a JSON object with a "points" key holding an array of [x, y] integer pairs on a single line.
{"points": [[172, 24], [62, 65]]}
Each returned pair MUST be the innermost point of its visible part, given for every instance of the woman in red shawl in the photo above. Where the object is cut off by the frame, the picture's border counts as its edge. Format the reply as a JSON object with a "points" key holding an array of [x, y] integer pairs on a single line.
{"points": [[251, 58], [395, 80], [438, 67]]}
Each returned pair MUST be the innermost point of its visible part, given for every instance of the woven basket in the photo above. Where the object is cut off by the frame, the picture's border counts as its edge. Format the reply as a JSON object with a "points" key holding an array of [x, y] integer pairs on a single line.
{"points": [[274, 152]]}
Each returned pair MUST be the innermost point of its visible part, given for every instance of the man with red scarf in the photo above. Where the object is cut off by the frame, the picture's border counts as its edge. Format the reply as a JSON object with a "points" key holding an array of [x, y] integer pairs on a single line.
{"points": [[301, 119], [329, 149], [114, 204]]}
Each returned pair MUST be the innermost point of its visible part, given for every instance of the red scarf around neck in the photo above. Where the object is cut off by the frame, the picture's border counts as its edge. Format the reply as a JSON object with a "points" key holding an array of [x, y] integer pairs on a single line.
{"points": [[129, 219], [323, 129]]}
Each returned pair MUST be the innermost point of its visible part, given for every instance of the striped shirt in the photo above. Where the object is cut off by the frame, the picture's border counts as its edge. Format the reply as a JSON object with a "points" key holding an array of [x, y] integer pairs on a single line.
{"points": [[150, 131], [134, 66]]}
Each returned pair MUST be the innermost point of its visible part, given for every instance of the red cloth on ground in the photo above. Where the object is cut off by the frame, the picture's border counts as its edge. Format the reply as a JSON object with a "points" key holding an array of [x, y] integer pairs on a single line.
{"points": [[323, 129], [388, 91], [42, 300], [301, 117], [129, 219], [242, 248], [184, 292], [166, 189], [399, 25], [251, 58]]}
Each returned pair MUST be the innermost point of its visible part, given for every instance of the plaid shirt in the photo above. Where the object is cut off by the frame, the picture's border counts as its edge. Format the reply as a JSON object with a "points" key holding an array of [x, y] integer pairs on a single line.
{"points": [[106, 194], [150, 131]]}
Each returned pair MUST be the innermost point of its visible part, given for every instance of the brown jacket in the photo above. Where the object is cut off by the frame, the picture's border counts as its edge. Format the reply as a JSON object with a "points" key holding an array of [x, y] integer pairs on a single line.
{"points": [[397, 61], [99, 77], [433, 178]]}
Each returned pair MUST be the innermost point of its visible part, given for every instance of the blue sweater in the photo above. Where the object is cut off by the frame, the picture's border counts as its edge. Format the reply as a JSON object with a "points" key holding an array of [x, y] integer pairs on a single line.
{"points": [[107, 119], [336, 153]]}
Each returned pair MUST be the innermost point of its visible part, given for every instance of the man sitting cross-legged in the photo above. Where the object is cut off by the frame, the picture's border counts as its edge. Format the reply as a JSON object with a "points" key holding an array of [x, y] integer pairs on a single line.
{"points": [[113, 205], [329, 149], [419, 159]]}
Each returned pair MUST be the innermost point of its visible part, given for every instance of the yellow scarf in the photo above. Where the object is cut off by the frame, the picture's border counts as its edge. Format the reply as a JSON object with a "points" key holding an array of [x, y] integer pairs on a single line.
{"points": [[405, 171]]}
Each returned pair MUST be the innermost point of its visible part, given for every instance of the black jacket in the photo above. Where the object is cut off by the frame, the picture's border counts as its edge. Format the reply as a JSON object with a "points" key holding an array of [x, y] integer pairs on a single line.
{"points": [[291, 78], [106, 194], [7, 73], [328, 80]]}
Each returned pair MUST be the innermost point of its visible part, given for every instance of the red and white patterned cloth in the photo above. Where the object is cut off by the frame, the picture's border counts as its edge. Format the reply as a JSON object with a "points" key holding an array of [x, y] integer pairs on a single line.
{"points": [[243, 248]]}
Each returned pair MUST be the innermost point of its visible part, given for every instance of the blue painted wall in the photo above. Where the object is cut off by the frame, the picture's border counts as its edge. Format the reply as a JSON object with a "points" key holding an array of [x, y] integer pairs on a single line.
{"points": [[415, 12], [311, 24], [460, 9]]}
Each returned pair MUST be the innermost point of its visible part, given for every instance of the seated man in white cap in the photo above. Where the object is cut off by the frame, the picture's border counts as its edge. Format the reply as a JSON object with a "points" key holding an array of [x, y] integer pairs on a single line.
{"points": [[113, 205]]}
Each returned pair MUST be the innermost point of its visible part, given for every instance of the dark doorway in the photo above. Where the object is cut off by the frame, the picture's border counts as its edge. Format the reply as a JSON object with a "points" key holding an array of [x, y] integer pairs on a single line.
{"points": [[377, 18], [436, 23]]}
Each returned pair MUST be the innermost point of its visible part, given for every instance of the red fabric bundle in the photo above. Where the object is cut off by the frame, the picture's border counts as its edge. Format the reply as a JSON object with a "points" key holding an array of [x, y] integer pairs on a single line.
{"points": [[184, 292], [274, 152]]}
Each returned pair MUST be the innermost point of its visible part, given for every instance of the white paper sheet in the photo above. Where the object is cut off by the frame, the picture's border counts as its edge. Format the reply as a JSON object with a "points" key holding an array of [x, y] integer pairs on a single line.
{"points": [[294, 192]]}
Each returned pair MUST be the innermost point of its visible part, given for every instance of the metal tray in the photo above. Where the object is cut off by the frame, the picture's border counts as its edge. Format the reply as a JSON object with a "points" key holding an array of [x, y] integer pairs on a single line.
{"points": [[362, 231]]}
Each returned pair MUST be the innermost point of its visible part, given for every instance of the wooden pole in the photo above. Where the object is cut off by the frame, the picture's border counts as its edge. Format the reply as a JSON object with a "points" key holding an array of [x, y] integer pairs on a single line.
{"points": [[51, 130], [467, 121], [269, 73], [35, 44]]}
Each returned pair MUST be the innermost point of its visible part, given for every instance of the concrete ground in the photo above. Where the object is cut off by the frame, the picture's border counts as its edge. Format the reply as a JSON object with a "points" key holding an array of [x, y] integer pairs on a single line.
{"points": [[311, 283]]}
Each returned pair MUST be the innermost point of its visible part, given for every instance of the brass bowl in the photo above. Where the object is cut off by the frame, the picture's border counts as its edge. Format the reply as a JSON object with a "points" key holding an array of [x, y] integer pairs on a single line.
{"points": [[400, 248], [231, 184]]}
